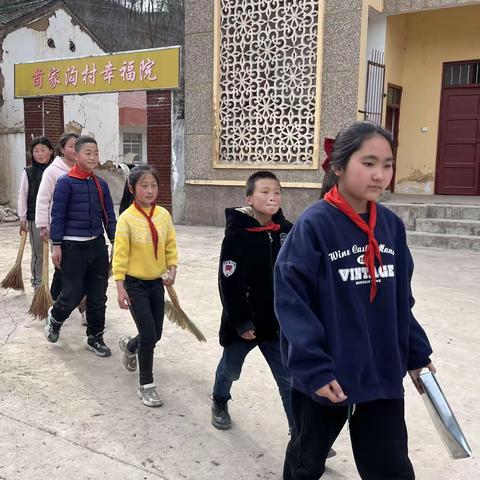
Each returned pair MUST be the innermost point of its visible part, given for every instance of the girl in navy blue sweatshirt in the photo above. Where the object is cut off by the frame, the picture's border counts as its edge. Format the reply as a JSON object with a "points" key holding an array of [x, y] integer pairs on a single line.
{"points": [[343, 301]]}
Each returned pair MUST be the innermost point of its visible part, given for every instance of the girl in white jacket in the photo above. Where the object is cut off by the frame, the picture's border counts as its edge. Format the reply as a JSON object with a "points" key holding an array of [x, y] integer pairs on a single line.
{"points": [[63, 162]]}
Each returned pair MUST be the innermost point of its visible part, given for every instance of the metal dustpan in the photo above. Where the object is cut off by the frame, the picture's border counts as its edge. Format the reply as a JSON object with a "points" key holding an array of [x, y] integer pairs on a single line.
{"points": [[443, 417]]}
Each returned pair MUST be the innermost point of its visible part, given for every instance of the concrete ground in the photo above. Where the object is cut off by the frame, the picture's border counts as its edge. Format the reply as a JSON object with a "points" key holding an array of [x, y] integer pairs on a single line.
{"points": [[65, 413]]}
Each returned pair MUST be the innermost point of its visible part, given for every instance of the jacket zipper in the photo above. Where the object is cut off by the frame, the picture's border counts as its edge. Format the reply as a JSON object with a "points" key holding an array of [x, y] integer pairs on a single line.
{"points": [[270, 244], [90, 206]]}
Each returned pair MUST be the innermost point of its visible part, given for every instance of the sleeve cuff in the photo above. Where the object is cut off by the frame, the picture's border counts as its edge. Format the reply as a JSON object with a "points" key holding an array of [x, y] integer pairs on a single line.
{"points": [[244, 327], [416, 363], [320, 381]]}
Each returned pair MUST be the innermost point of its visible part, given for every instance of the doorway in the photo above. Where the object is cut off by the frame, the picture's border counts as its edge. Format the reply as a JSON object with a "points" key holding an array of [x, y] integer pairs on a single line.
{"points": [[392, 121], [458, 157]]}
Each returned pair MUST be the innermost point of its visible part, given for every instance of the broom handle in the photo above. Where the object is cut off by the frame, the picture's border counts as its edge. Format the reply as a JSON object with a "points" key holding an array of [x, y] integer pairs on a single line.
{"points": [[21, 248], [46, 261], [173, 295]]}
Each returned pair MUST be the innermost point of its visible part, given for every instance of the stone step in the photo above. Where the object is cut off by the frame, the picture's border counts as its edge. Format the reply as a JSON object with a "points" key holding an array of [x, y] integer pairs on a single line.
{"points": [[448, 225], [443, 240], [410, 212], [460, 212]]}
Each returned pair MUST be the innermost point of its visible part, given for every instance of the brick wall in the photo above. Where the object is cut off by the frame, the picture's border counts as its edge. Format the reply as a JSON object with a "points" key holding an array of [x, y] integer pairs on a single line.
{"points": [[133, 108], [132, 117], [43, 117], [133, 99], [159, 142]]}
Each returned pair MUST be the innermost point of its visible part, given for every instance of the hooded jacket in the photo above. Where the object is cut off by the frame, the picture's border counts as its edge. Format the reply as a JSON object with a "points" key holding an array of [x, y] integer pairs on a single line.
{"points": [[45, 192], [245, 277]]}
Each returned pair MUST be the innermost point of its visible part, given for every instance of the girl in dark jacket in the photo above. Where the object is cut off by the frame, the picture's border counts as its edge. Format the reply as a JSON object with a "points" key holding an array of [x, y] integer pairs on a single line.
{"points": [[343, 300], [42, 155]]}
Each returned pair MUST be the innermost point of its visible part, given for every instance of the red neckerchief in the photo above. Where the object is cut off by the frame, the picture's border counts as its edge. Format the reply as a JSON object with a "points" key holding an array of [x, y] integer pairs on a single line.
{"points": [[270, 226], [77, 172], [335, 198], [153, 230]]}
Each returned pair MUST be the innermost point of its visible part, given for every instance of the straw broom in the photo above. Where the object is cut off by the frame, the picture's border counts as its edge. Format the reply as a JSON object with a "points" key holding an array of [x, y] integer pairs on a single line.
{"points": [[42, 300], [177, 316], [14, 277]]}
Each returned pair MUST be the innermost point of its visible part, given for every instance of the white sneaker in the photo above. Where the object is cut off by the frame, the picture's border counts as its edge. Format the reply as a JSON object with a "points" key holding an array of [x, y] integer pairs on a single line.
{"points": [[129, 360], [149, 396]]}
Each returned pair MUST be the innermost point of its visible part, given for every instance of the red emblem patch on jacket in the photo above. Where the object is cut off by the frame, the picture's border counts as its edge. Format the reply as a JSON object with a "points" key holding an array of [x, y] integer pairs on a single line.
{"points": [[228, 268]]}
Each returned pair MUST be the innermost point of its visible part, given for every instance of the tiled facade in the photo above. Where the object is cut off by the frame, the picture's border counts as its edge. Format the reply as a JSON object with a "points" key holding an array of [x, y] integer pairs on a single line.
{"points": [[344, 52]]}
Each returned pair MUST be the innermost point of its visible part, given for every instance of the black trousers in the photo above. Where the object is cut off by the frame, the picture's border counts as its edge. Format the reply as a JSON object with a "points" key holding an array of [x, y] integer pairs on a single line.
{"points": [[56, 288], [147, 299], [56, 285], [84, 271], [377, 431]]}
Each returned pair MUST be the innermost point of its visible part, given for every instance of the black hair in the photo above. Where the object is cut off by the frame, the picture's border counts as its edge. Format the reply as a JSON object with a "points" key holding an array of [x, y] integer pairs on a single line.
{"points": [[42, 141], [252, 180], [82, 140], [133, 178], [347, 142], [63, 141]]}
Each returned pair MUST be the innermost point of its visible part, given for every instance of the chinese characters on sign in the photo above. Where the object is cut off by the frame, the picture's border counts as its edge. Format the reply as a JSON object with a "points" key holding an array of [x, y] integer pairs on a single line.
{"points": [[127, 73], [152, 69]]}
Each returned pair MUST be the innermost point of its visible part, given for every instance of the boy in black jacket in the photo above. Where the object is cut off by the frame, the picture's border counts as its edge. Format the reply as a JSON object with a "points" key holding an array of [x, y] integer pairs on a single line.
{"points": [[253, 237]]}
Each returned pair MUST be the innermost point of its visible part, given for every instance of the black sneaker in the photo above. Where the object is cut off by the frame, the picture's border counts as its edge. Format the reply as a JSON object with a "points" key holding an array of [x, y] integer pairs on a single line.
{"points": [[220, 417], [97, 345], [52, 328]]}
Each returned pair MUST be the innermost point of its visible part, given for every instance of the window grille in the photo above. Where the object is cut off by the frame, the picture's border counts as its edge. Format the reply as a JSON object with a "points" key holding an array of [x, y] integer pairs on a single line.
{"points": [[266, 83], [457, 74], [375, 88]]}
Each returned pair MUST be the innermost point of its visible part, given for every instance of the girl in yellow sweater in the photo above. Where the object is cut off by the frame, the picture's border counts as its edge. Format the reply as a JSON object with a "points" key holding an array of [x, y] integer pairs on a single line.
{"points": [[145, 250]]}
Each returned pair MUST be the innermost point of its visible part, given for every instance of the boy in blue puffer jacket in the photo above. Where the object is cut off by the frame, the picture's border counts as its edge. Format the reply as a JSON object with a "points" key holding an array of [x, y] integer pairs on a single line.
{"points": [[82, 208]]}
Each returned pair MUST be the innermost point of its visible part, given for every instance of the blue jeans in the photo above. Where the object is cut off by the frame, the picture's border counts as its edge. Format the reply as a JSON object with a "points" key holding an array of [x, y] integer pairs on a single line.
{"points": [[230, 367]]}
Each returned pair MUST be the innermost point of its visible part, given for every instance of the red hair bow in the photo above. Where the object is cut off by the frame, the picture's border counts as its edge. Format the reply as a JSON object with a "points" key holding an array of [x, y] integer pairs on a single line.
{"points": [[328, 147]]}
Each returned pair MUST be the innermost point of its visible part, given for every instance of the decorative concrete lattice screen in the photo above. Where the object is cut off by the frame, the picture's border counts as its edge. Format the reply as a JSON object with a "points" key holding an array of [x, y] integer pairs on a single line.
{"points": [[267, 91]]}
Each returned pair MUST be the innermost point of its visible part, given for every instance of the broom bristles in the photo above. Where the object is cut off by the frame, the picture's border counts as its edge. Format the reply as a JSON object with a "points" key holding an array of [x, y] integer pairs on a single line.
{"points": [[177, 316], [14, 278], [42, 301]]}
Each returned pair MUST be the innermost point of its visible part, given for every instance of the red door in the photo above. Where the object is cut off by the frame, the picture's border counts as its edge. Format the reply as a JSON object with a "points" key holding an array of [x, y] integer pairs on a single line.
{"points": [[458, 164]]}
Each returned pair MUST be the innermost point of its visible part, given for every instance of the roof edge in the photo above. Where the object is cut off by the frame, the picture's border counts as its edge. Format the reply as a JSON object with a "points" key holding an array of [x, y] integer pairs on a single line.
{"points": [[24, 20]]}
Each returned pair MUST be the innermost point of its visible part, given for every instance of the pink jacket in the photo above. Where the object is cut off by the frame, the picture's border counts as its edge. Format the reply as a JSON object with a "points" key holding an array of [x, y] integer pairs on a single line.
{"points": [[45, 192]]}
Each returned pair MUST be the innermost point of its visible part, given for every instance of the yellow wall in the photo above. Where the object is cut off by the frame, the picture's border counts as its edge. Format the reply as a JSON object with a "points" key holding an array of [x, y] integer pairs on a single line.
{"points": [[417, 45]]}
